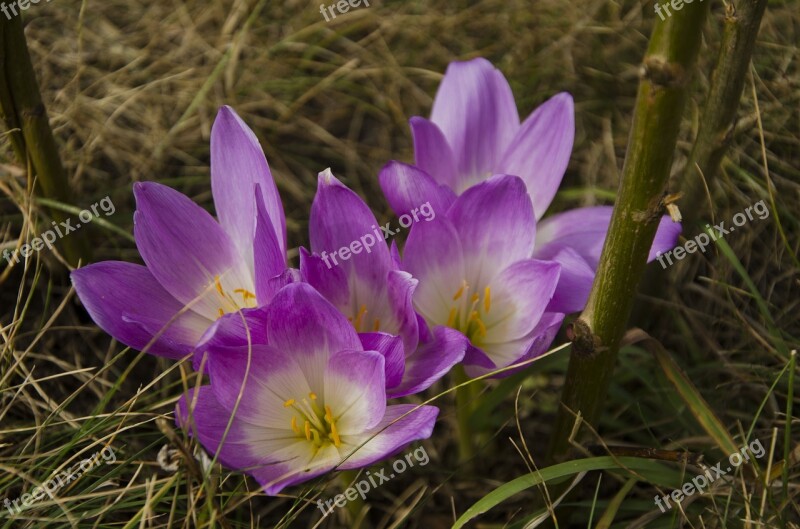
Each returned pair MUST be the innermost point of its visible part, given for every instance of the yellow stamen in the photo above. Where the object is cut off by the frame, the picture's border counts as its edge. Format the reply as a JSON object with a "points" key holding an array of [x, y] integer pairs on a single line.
{"points": [[475, 298], [487, 299], [288, 403], [459, 291], [481, 327], [245, 293], [451, 320], [219, 286], [295, 428], [308, 431], [328, 414], [361, 312], [316, 437], [337, 442], [221, 312], [377, 324], [312, 396]]}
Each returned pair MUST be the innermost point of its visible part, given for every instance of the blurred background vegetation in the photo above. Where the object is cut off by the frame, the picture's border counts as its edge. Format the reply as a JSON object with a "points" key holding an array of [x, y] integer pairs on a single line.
{"points": [[132, 89]]}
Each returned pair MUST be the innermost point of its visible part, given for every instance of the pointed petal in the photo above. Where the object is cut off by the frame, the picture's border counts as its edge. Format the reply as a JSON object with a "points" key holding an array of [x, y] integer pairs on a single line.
{"points": [[126, 301], [269, 257], [585, 229], [238, 164], [400, 288], [402, 424], [391, 348], [340, 219], [432, 153], [475, 110], [407, 188], [395, 253], [540, 151], [431, 361], [185, 249], [495, 225]]}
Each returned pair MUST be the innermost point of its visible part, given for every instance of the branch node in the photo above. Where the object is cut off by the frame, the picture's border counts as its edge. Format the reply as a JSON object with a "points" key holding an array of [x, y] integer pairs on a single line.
{"points": [[663, 73], [585, 343]]}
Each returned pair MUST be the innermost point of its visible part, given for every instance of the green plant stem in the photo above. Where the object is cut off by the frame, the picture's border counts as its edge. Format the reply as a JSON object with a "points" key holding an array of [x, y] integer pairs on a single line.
{"points": [[30, 133], [742, 20], [464, 406], [660, 101]]}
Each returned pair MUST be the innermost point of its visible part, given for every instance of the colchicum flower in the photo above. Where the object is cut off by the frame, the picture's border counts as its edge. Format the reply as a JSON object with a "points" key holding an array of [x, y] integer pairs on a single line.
{"points": [[309, 400], [475, 133], [369, 288], [197, 269], [476, 275]]}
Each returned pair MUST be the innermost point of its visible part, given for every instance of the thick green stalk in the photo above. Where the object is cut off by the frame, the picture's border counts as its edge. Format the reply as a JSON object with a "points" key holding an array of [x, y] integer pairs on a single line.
{"points": [[742, 20], [23, 110], [663, 89]]}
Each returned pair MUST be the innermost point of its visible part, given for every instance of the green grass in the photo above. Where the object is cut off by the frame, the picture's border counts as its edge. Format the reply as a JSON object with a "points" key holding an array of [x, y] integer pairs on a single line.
{"points": [[132, 88]]}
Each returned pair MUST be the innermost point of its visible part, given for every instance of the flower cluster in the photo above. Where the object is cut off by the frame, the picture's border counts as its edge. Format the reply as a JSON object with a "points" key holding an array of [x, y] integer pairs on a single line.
{"points": [[301, 362]]}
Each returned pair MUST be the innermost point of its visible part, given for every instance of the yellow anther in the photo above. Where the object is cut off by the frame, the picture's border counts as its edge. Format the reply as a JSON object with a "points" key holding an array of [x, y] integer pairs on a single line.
{"points": [[315, 434], [328, 414], [361, 312], [218, 285], [451, 320], [288, 403], [337, 442], [245, 293], [481, 327], [295, 428], [220, 312], [459, 291], [487, 299], [473, 315], [475, 298], [377, 325], [312, 396], [308, 431]]}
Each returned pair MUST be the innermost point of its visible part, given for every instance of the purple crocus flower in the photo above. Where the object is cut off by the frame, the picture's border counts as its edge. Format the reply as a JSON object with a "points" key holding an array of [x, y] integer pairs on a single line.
{"points": [[309, 400], [474, 133], [476, 275], [368, 287], [197, 269]]}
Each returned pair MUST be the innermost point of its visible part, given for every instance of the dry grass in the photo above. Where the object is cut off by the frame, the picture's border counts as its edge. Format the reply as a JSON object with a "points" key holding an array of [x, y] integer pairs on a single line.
{"points": [[132, 88]]}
